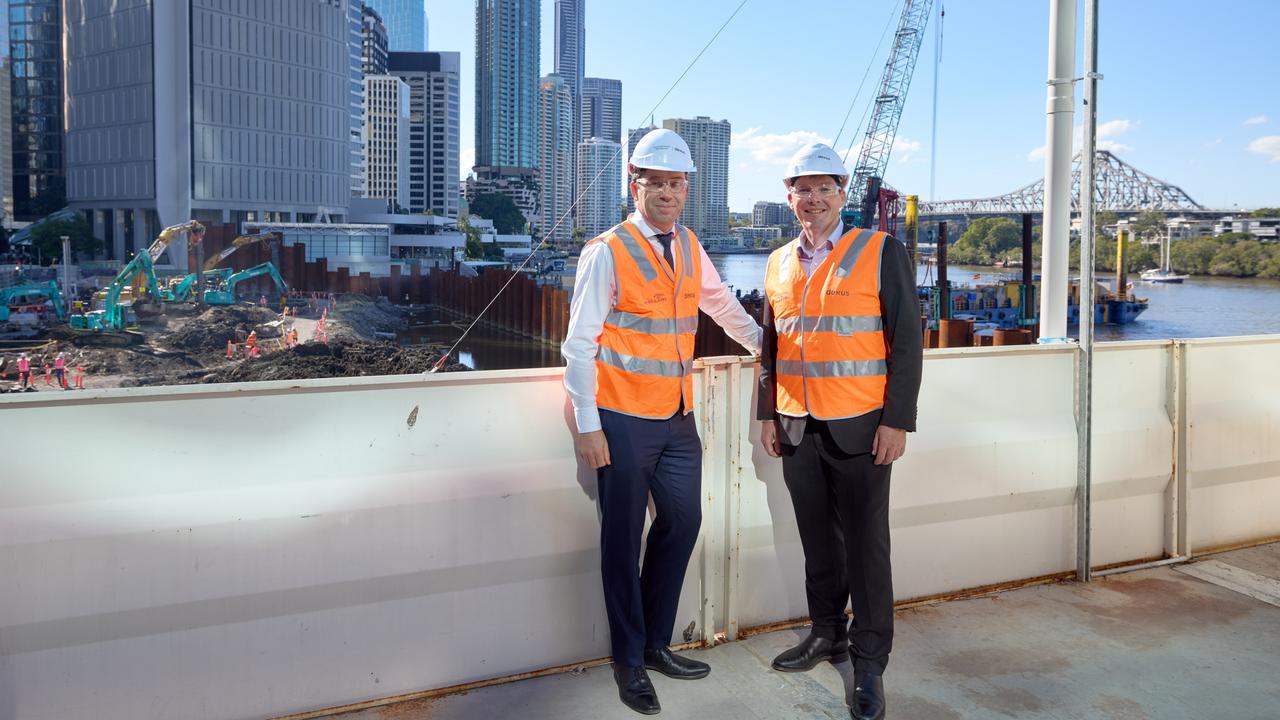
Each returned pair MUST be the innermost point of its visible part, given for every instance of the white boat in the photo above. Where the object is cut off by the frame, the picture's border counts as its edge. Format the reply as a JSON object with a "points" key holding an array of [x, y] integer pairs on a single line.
{"points": [[1163, 274]]}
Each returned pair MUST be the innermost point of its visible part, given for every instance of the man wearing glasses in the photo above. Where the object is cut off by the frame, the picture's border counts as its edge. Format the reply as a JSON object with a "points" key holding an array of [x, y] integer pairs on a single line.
{"points": [[840, 373], [629, 364]]}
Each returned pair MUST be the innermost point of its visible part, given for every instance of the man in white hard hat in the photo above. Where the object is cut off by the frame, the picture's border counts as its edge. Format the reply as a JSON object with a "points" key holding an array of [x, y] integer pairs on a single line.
{"points": [[629, 362], [840, 373]]}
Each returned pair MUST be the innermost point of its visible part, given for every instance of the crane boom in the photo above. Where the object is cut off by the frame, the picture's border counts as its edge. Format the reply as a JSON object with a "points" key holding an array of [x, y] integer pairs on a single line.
{"points": [[873, 158]]}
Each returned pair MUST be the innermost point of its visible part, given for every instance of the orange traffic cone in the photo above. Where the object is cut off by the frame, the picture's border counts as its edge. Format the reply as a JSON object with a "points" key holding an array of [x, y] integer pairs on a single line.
{"points": [[79, 378], [231, 349], [48, 376]]}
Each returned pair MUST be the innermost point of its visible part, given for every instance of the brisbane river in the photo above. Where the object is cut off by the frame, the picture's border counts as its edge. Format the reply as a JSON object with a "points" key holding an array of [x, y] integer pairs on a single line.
{"points": [[1199, 307]]}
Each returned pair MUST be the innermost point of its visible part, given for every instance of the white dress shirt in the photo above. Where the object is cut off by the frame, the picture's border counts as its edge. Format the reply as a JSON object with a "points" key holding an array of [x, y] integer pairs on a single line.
{"points": [[595, 295], [812, 259]]}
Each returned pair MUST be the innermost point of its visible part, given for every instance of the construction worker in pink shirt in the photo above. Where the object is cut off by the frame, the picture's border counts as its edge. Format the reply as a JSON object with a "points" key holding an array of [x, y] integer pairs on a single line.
{"points": [[60, 370], [24, 370]]}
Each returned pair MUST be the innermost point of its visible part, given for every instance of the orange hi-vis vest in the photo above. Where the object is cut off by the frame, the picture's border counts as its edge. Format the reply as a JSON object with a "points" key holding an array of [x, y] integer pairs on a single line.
{"points": [[644, 366], [831, 347]]}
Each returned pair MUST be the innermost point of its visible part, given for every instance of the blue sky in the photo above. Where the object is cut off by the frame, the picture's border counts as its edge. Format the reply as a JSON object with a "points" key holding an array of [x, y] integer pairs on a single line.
{"points": [[1190, 91]]}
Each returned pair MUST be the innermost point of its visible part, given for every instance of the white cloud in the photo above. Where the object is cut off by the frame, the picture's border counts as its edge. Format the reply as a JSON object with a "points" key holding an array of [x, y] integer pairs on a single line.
{"points": [[1268, 145], [1212, 144], [466, 158], [773, 148], [1255, 120], [1106, 130]]}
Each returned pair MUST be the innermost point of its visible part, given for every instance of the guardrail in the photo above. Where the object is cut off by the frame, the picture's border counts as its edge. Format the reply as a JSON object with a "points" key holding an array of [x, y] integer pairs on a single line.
{"points": [[232, 551]]}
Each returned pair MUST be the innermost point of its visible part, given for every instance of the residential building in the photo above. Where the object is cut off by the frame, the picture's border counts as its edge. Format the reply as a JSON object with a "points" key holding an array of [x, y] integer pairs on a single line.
{"points": [[750, 237], [522, 185], [602, 108], [165, 128], [6, 137], [774, 214], [406, 22], [507, 55], [556, 158], [706, 211], [598, 203], [1182, 228], [355, 62], [1266, 229], [373, 42], [36, 72], [386, 109], [434, 81], [570, 57], [633, 137]]}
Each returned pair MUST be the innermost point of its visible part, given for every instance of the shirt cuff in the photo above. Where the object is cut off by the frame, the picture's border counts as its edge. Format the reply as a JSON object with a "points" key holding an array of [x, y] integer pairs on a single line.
{"points": [[588, 419]]}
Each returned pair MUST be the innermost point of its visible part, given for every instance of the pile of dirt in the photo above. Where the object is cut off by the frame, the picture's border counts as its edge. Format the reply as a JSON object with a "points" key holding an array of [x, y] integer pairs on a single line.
{"points": [[210, 330], [361, 318], [335, 359]]}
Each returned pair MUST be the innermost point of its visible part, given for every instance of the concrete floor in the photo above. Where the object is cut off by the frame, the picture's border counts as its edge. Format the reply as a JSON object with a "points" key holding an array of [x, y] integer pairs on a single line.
{"points": [[1157, 644]]}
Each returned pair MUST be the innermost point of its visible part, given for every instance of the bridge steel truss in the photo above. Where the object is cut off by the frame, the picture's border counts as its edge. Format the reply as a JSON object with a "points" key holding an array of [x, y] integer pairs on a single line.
{"points": [[1119, 187]]}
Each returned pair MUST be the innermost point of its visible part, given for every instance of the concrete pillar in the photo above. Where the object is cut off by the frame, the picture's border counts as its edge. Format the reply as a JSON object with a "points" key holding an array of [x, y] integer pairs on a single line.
{"points": [[118, 239], [140, 239], [99, 224]]}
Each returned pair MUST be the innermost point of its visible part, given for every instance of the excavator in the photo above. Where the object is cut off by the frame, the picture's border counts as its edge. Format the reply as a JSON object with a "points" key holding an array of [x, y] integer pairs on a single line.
{"points": [[225, 293], [21, 306], [112, 311], [182, 289]]}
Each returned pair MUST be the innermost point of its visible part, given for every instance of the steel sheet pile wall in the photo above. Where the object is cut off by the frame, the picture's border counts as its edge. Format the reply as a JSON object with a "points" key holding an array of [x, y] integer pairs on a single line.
{"points": [[324, 542]]}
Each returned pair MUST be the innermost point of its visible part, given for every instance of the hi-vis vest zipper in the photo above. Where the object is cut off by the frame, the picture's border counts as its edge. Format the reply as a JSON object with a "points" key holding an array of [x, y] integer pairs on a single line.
{"points": [[831, 347], [645, 363]]}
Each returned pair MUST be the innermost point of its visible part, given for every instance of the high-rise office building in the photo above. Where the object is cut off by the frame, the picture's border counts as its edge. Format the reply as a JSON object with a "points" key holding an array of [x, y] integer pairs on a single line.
{"points": [[373, 42], [434, 85], [598, 203], [6, 137], [386, 102], [355, 66], [602, 108], [165, 128], [507, 55], [706, 211], [556, 158], [406, 22], [571, 43], [38, 164]]}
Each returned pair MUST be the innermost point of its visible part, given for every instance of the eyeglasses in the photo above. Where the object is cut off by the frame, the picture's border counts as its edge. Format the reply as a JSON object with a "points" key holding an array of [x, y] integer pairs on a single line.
{"points": [[675, 185], [822, 191]]}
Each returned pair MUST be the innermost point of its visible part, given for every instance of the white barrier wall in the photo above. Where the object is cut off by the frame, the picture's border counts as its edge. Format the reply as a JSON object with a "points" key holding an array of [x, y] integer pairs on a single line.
{"points": [[256, 550]]}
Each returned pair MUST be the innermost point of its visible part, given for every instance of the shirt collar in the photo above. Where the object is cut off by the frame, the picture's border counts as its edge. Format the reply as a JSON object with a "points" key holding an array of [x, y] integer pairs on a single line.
{"points": [[836, 233], [637, 218]]}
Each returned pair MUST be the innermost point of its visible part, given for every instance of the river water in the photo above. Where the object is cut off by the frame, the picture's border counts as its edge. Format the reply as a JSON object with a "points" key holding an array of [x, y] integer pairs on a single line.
{"points": [[1199, 307]]}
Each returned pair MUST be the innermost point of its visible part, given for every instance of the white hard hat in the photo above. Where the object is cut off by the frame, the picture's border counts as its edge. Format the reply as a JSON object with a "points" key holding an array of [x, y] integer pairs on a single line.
{"points": [[815, 159], [662, 149]]}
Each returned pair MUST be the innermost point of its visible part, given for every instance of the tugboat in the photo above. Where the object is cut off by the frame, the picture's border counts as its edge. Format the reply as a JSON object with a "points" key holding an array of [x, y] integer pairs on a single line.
{"points": [[998, 306]]}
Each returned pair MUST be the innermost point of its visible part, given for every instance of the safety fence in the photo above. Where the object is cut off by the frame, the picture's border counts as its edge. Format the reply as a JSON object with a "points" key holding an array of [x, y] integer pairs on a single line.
{"points": [[234, 551]]}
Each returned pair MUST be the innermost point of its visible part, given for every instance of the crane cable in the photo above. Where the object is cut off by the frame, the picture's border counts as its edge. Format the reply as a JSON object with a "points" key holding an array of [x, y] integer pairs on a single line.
{"points": [[582, 193]]}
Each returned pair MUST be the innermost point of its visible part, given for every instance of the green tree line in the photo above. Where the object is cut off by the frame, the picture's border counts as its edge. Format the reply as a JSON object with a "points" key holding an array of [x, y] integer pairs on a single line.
{"points": [[989, 240]]}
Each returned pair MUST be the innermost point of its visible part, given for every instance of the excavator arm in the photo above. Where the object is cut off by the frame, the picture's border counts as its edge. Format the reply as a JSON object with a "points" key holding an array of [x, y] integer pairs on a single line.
{"points": [[238, 243], [227, 295]]}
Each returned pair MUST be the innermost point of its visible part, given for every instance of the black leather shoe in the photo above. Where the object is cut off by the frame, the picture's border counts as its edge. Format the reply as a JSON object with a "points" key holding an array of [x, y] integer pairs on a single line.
{"points": [[811, 651], [675, 666], [868, 697], [636, 690]]}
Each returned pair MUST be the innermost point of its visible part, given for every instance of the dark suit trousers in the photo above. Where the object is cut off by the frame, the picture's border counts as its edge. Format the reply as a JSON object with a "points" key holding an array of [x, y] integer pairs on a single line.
{"points": [[662, 458], [842, 509]]}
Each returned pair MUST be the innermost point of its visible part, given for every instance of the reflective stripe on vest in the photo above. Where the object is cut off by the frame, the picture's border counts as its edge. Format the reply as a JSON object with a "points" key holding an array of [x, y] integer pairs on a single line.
{"points": [[645, 362], [831, 354]]}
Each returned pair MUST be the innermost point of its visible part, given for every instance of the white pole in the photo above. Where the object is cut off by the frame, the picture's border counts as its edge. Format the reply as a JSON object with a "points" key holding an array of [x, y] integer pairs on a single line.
{"points": [[1084, 402], [66, 269], [1060, 113]]}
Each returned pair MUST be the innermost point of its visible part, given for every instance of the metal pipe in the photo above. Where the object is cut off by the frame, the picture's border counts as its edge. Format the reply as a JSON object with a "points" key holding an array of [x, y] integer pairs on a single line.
{"points": [[913, 228], [944, 287], [1084, 381], [1060, 113], [1026, 307]]}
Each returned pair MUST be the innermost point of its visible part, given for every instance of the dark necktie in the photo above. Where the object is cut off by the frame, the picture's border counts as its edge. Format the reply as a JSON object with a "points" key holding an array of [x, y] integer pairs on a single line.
{"points": [[665, 239]]}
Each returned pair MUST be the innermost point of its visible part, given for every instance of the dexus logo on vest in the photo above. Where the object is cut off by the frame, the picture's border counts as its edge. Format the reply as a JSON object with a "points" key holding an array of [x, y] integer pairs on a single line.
{"points": [[656, 298]]}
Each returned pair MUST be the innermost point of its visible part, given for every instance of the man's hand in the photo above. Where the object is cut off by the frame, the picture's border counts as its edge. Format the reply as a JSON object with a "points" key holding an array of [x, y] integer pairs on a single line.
{"points": [[888, 445], [769, 438], [592, 448]]}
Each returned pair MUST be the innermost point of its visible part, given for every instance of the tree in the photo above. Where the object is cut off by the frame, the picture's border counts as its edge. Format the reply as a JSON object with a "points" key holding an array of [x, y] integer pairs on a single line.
{"points": [[1266, 212], [47, 237], [507, 218], [1105, 218], [985, 241], [1149, 225], [1194, 255], [1242, 259], [474, 249], [579, 236], [1271, 268]]}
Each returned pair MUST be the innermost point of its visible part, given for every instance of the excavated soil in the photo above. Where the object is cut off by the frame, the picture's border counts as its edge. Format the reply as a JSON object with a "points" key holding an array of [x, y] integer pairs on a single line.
{"points": [[336, 359]]}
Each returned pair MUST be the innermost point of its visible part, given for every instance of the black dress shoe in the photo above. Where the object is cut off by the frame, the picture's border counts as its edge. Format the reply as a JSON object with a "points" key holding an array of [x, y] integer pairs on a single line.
{"points": [[675, 666], [811, 651], [868, 697], [636, 690]]}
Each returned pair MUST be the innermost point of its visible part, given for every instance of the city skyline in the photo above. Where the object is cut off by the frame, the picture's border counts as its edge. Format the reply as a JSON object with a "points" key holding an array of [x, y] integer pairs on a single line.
{"points": [[406, 22], [989, 130]]}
